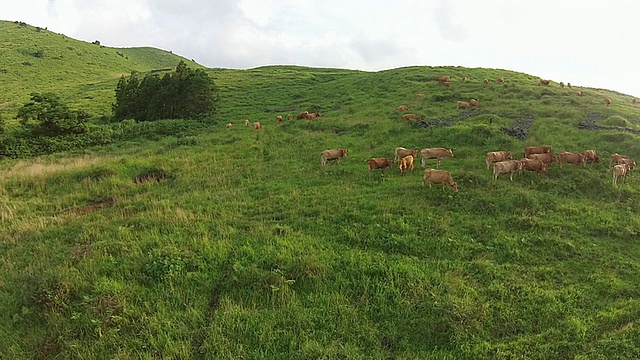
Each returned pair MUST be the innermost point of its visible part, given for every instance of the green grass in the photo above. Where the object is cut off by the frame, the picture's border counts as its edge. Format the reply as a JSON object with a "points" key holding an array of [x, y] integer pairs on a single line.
{"points": [[194, 241]]}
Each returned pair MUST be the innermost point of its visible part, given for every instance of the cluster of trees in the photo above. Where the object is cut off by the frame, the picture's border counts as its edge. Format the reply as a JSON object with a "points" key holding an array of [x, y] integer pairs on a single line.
{"points": [[183, 94]]}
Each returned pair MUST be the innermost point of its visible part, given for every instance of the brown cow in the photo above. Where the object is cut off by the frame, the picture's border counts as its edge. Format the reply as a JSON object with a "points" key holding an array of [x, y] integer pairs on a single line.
{"points": [[303, 115], [485, 81], [402, 108], [257, 125], [506, 167], [462, 104], [497, 156], [579, 93], [279, 118], [406, 164], [332, 154], [619, 172], [229, 125], [591, 156], [546, 158], [434, 153], [290, 117], [561, 84], [420, 95], [544, 82], [246, 122], [446, 84], [379, 163], [433, 176], [571, 157], [536, 165], [569, 85], [464, 78], [408, 117], [607, 101], [630, 162], [536, 150], [312, 116], [615, 158], [473, 102], [500, 80], [443, 78], [402, 152]]}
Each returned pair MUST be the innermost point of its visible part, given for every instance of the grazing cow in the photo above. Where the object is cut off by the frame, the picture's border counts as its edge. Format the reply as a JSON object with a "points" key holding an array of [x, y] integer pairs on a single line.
{"points": [[464, 78], [434, 153], [402, 108], [332, 154], [408, 117], [379, 163], [303, 115], [443, 78], [546, 158], [634, 101], [473, 102], [402, 152], [229, 125], [630, 162], [615, 158], [290, 117], [506, 167], [497, 156], [579, 93], [569, 85], [446, 83], [536, 150], [406, 164], [591, 156], [561, 84], [607, 101], [257, 125], [462, 104], [500, 80], [544, 82], [246, 122], [420, 95], [571, 157], [485, 81], [536, 165], [619, 172], [312, 116], [433, 176], [279, 118]]}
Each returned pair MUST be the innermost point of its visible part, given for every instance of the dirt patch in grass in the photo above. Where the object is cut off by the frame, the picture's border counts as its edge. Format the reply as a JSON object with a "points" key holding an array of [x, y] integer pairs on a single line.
{"points": [[152, 175]]}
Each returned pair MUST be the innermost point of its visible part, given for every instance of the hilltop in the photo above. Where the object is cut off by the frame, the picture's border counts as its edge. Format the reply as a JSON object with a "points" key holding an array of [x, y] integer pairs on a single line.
{"points": [[189, 240]]}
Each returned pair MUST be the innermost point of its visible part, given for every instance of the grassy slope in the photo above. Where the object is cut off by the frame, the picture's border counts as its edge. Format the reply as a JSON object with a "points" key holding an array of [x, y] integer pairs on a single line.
{"points": [[249, 249], [86, 74]]}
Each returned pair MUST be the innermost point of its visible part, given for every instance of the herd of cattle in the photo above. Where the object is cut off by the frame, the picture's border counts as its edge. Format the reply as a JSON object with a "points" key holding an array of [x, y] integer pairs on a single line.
{"points": [[536, 158]]}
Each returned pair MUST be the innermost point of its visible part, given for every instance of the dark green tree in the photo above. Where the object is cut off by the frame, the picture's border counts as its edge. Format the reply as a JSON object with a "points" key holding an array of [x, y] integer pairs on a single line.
{"points": [[46, 114]]}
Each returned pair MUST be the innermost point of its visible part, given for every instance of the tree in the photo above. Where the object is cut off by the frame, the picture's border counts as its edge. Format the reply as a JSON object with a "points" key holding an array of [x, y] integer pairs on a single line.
{"points": [[185, 93], [46, 114]]}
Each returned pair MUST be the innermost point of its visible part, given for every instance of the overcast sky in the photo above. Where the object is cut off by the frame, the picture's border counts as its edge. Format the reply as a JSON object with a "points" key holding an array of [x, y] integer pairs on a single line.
{"points": [[585, 42]]}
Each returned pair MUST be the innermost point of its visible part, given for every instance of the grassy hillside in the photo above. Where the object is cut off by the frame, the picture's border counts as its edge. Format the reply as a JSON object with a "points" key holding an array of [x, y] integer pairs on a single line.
{"points": [[38, 60], [225, 244]]}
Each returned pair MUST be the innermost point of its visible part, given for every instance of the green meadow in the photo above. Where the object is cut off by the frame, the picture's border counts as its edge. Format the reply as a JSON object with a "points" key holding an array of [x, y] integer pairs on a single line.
{"points": [[187, 240]]}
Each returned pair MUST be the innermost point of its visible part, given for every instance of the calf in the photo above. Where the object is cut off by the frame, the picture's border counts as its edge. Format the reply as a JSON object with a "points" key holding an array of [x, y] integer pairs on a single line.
{"points": [[506, 167], [406, 164], [402, 152], [332, 154], [496, 156], [379, 163], [434, 153], [619, 172], [433, 176]]}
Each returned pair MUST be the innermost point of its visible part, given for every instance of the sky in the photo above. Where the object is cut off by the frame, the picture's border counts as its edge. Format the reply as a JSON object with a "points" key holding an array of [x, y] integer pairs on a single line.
{"points": [[591, 43]]}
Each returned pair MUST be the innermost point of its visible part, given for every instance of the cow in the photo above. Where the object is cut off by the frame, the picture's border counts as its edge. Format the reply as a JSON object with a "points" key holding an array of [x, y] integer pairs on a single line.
{"points": [[500, 80], [257, 125], [401, 152], [607, 101], [229, 125], [634, 101], [619, 172], [464, 78], [615, 158], [279, 118], [420, 95], [290, 117], [312, 116], [579, 93], [462, 104], [544, 82], [485, 81], [571, 157], [497, 156], [446, 84], [536, 165], [303, 115], [591, 156], [443, 78], [506, 167], [246, 122], [406, 164], [569, 85], [402, 108], [473, 102], [561, 84], [379, 163], [546, 158], [408, 117], [332, 154], [434, 153], [536, 150], [433, 176], [630, 162]]}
